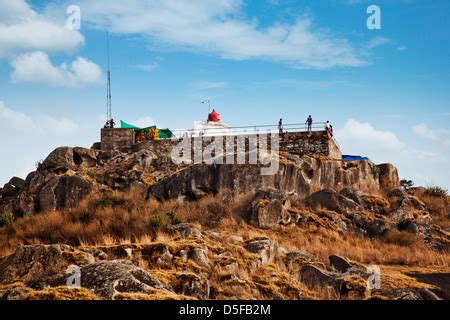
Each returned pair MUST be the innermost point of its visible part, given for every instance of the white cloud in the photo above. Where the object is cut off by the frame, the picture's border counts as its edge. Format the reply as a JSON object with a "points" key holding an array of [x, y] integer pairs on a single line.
{"points": [[377, 41], [12, 119], [219, 27], [148, 67], [363, 137], [36, 67], [441, 135], [425, 132], [24, 30], [206, 85], [32, 138], [144, 122], [44, 124], [424, 167]]}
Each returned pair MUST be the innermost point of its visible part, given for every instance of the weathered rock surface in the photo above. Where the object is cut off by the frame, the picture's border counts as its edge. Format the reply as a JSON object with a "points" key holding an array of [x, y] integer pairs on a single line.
{"points": [[32, 264], [148, 166], [331, 200], [339, 263], [349, 284], [107, 278], [266, 249], [388, 177], [303, 175], [64, 192], [269, 208], [372, 227]]}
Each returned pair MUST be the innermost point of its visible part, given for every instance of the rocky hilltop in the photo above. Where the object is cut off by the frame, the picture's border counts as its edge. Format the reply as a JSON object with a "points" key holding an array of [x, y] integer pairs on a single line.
{"points": [[134, 225], [68, 175]]}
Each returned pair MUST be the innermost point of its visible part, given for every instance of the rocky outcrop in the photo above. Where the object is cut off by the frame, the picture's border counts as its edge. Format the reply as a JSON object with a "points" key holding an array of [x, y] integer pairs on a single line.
{"points": [[331, 200], [388, 177], [63, 192], [108, 278], [266, 249], [303, 175], [35, 264], [148, 169], [347, 280], [65, 158], [269, 208]]}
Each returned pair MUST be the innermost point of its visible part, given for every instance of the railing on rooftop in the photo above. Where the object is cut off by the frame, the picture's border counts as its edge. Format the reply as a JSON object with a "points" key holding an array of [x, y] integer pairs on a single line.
{"points": [[248, 130]]}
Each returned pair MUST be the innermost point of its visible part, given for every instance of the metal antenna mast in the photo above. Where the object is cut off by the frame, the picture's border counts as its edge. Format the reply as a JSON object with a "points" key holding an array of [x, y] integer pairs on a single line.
{"points": [[209, 103], [108, 89]]}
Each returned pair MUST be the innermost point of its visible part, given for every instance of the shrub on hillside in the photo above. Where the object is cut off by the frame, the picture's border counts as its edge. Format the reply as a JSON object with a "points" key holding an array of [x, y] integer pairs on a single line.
{"points": [[436, 191], [6, 219], [159, 222], [108, 201], [406, 184]]}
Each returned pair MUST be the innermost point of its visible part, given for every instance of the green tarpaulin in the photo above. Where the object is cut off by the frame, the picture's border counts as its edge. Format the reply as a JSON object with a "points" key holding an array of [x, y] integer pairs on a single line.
{"points": [[163, 133]]}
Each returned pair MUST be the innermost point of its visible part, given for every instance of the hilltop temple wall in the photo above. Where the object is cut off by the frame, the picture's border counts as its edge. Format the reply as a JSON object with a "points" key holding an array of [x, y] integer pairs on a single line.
{"points": [[116, 138], [317, 143]]}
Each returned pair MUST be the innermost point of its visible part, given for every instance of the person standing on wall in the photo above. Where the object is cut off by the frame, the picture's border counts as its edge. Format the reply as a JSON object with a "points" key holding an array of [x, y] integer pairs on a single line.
{"points": [[309, 122], [280, 126], [327, 126]]}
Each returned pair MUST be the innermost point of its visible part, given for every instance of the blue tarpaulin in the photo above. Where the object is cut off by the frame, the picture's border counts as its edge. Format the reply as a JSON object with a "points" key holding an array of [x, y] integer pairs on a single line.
{"points": [[354, 158]]}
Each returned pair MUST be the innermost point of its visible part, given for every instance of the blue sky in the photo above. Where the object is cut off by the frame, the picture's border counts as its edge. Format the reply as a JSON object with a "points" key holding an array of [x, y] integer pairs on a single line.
{"points": [[386, 91]]}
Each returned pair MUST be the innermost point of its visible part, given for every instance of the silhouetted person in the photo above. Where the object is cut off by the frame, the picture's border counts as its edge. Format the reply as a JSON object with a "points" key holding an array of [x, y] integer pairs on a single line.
{"points": [[112, 123], [309, 122], [327, 126], [280, 126]]}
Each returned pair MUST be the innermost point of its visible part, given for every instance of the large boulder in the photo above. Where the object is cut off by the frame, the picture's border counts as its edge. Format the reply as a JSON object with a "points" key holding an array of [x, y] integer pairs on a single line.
{"points": [[269, 208], [61, 159], [331, 200], [85, 157], [17, 182], [316, 278], [353, 194], [372, 227], [199, 256], [34, 264], [341, 284], [302, 175], [296, 259], [63, 192], [339, 263], [265, 248], [9, 190], [107, 278], [42, 266], [189, 284], [388, 177]]}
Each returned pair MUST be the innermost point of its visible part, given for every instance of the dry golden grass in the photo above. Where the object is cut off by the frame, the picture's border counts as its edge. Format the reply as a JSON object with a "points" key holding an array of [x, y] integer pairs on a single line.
{"points": [[128, 223], [56, 293], [440, 209], [323, 242]]}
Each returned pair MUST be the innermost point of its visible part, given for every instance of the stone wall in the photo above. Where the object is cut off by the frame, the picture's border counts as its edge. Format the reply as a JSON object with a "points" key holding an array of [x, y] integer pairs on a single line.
{"points": [[317, 143], [116, 138]]}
